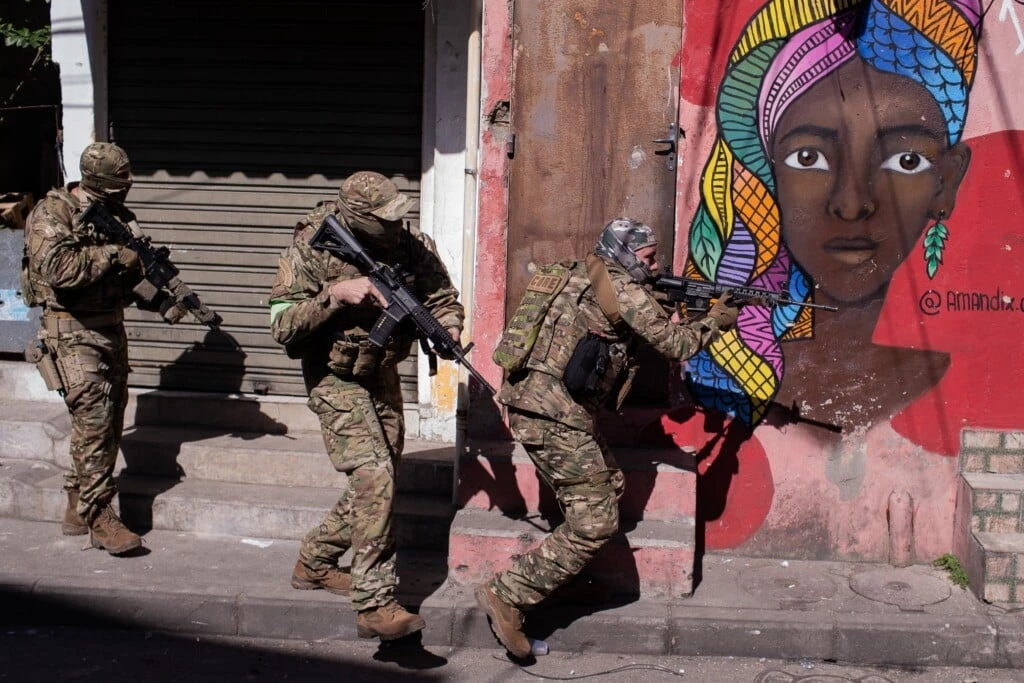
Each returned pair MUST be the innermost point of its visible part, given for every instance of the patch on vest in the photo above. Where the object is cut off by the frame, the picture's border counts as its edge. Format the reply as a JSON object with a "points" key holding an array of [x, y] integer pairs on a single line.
{"points": [[545, 284], [517, 340]]}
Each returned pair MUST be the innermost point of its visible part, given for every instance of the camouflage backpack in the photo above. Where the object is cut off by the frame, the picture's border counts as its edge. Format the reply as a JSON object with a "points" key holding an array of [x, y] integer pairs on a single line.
{"points": [[518, 339]]}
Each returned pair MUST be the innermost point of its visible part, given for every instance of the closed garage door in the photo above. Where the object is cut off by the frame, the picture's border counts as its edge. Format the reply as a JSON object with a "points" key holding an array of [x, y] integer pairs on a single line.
{"points": [[239, 117]]}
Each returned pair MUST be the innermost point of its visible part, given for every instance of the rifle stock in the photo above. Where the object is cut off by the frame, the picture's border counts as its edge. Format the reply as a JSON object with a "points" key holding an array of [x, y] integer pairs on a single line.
{"points": [[402, 306]]}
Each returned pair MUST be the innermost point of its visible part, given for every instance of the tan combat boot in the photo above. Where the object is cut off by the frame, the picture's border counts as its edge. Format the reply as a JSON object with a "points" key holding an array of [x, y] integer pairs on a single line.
{"points": [[506, 621], [389, 622], [73, 524], [107, 531], [332, 580]]}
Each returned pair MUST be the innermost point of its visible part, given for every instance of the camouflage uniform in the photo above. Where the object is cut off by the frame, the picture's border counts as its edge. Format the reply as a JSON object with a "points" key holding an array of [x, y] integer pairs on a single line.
{"points": [[84, 281], [354, 386], [559, 431]]}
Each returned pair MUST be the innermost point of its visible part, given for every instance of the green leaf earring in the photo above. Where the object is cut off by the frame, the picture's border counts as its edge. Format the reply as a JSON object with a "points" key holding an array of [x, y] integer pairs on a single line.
{"points": [[934, 243]]}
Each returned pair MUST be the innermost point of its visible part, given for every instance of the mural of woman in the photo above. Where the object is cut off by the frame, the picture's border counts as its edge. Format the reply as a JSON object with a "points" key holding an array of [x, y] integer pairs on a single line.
{"points": [[839, 126]]}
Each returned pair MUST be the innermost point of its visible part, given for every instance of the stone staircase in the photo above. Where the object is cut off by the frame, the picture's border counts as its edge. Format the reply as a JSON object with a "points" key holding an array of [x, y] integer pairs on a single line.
{"points": [[989, 533], [217, 464], [507, 510]]}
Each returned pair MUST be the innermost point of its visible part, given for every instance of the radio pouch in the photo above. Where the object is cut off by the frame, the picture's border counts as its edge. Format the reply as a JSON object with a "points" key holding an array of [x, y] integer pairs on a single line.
{"points": [[587, 365]]}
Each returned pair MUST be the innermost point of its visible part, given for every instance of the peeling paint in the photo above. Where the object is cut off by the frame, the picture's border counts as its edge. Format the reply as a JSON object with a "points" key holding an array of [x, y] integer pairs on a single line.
{"points": [[845, 467], [637, 157]]}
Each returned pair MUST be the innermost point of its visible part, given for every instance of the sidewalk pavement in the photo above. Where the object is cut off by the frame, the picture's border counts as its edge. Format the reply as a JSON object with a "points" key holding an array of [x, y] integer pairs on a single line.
{"points": [[858, 613]]}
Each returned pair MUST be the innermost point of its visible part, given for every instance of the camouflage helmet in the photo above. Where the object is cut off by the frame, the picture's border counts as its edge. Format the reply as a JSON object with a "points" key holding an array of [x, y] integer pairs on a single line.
{"points": [[106, 171], [368, 192], [619, 242]]}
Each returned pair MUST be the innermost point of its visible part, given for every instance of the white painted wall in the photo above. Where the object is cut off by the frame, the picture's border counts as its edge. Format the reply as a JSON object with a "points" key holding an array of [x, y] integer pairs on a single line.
{"points": [[442, 198], [80, 51]]}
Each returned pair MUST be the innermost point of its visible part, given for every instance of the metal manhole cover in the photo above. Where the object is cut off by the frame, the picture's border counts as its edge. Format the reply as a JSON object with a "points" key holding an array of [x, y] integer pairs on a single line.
{"points": [[907, 588]]}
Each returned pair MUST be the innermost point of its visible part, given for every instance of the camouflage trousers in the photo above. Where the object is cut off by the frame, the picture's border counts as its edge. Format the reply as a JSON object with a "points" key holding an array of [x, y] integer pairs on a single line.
{"points": [[94, 370], [364, 432], [587, 483]]}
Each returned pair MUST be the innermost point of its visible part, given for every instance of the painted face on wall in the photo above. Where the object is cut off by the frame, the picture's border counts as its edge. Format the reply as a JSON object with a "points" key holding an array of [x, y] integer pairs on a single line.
{"points": [[862, 165]]}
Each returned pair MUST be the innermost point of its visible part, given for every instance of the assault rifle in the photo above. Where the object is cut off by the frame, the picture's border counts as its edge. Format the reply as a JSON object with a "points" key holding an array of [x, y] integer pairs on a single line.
{"points": [[160, 289], [402, 305], [697, 294]]}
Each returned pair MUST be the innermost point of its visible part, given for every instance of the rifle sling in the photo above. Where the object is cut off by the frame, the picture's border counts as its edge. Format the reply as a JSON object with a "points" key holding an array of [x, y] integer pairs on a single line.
{"points": [[602, 284]]}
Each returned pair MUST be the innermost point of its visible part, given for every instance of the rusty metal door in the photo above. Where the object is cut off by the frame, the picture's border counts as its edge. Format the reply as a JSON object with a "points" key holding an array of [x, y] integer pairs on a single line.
{"points": [[595, 85]]}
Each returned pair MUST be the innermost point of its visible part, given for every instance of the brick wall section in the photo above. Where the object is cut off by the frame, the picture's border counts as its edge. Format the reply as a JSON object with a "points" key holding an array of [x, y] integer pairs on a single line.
{"points": [[992, 451], [1004, 577], [999, 511], [992, 467]]}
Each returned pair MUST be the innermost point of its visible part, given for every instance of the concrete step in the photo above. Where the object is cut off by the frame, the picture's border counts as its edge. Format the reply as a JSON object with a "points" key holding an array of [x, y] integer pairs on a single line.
{"points": [[989, 535], [37, 430], [293, 459], [995, 567], [648, 559], [34, 430], [32, 490], [996, 502], [234, 411], [661, 483]]}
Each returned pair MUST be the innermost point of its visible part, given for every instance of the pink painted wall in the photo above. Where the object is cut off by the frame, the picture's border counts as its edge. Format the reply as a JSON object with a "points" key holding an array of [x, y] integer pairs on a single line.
{"points": [[787, 486], [492, 215]]}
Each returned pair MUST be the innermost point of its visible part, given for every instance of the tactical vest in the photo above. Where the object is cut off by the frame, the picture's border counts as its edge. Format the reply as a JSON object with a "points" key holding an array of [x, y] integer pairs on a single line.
{"points": [[574, 313], [342, 344], [109, 292]]}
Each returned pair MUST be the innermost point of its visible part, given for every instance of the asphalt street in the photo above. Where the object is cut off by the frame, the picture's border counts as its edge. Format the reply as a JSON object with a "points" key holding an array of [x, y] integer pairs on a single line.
{"points": [[112, 656]]}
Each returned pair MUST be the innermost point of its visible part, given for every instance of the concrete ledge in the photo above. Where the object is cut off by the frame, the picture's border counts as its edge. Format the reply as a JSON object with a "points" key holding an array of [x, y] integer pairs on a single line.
{"points": [[204, 584], [649, 559], [39, 431]]}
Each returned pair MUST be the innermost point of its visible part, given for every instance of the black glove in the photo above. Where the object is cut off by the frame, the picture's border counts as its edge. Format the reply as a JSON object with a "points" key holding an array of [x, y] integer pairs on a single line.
{"points": [[724, 312]]}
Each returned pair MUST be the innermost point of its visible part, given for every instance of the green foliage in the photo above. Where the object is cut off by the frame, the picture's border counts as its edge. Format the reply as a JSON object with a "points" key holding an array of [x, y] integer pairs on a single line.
{"points": [[15, 36], [952, 565], [24, 37]]}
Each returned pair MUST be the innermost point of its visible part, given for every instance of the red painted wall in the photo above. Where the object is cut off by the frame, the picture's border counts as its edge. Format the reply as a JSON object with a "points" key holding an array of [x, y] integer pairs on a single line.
{"points": [[788, 487]]}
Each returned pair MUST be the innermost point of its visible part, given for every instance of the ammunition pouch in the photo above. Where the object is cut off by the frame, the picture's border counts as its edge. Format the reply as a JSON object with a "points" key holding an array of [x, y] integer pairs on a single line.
{"points": [[587, 365], [38, 353], [359, 357]]}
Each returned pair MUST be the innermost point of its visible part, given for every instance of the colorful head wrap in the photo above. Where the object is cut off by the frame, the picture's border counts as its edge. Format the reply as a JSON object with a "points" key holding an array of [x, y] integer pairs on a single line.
{"points": [[736, 236]]}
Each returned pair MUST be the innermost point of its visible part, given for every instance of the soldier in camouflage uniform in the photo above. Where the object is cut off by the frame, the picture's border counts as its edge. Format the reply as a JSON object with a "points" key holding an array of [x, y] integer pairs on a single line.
{"points": [[557, 427], [83, 281], [322, 309]]}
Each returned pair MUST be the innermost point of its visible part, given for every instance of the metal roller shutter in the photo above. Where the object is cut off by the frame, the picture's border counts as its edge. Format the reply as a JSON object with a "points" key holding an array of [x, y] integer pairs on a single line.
{"points": [[238, 117]]}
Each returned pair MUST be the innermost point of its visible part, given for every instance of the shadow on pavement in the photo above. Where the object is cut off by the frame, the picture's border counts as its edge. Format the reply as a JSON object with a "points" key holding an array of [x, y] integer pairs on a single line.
{"points": [[58, 640]]}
